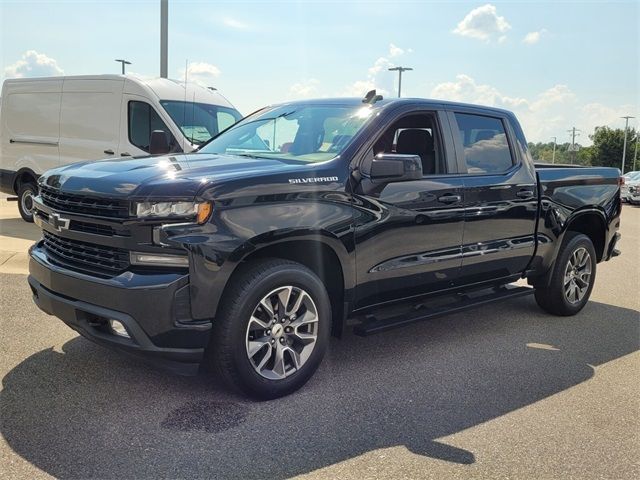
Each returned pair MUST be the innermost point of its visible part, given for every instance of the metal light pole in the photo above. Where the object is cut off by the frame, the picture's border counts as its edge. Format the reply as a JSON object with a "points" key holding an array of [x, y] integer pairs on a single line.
{"points": [[635, 155], [553, 158], [624, 148], [164, 37], [400, 70], [123, 62]]}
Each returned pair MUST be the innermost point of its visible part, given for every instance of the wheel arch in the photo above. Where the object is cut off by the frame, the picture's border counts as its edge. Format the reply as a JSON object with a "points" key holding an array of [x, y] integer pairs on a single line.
{"points": [[324, 254], [592, 224], [24, 175]]}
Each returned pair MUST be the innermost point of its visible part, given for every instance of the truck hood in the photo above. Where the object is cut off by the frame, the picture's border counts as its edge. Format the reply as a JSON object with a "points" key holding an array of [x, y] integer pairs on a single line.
{"points": [[180, 176]]}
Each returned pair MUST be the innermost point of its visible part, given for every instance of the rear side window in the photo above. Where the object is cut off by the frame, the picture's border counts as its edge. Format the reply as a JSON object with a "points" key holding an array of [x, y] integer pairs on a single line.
{"points": [[486, 149], [143, 120]]}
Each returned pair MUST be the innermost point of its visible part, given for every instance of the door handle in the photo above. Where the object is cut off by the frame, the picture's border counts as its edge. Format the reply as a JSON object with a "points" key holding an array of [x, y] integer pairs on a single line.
{"points": [[525, 193], [449, 198], [125, 154], [108, 151]]}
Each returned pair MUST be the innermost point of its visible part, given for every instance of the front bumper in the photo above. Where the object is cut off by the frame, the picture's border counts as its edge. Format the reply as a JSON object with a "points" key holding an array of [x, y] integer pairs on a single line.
{"points": [[150, 306]]}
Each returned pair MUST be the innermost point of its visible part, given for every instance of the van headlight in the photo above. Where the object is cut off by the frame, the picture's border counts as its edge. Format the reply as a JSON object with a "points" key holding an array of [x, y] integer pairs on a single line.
{"points": [[198, 210]]}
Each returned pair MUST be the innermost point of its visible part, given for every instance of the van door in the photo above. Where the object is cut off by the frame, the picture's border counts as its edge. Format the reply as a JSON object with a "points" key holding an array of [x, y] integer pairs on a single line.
{"points": [[30, 128], [90, 119], [139, 119]]}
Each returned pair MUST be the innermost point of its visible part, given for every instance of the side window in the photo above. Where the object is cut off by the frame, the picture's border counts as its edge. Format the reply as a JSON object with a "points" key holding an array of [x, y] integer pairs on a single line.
{"points": [[486, 149], [143, 120], [225, 120], [415, 134]]}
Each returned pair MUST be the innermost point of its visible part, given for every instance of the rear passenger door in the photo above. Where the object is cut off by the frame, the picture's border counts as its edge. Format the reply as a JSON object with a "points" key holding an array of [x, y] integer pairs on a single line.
{"points": [[500, 197]]}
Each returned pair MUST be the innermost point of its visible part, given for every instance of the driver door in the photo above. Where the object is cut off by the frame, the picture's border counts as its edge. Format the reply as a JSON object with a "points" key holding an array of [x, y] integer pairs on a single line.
{"points": [[409, 234]]}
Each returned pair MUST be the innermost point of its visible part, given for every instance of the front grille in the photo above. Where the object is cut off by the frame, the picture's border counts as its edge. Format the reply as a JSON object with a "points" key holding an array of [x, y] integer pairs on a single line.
{"points": [[83, 205], [84, 256]]}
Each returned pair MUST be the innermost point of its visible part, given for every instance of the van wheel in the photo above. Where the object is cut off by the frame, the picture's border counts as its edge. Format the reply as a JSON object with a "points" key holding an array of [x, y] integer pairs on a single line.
{"points": [[572, 279], [272, 329], [26, 192]]}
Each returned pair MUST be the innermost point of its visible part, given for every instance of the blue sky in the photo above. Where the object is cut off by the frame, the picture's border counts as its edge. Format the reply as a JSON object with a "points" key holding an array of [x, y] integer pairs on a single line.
{"points": [[557, 64]]}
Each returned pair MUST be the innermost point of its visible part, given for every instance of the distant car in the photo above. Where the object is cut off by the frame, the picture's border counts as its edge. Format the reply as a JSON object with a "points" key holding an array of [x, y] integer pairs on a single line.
{"points": [[633, 196], [630, 179]]}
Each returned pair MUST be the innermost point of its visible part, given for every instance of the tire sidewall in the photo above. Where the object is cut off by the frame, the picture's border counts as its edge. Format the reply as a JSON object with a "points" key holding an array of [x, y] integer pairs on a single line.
{"points": [[578, 241], [300, 277], [25, 188]]}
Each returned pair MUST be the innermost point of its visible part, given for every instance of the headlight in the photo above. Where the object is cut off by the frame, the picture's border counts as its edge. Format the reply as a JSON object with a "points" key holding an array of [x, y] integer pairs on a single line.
{"points": [[198, 210]]}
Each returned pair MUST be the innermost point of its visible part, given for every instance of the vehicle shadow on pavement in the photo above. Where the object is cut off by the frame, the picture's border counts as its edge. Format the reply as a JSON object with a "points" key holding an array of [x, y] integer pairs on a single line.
{"points": [[18, 228], [86, 412]]}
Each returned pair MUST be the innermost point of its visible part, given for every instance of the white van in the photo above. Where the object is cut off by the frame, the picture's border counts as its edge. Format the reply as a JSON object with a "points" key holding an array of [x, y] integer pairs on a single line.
{"points": [[49, 122]]}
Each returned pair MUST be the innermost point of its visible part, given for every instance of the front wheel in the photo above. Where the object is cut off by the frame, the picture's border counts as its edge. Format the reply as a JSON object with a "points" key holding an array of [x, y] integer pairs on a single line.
{"points": [[26, 192], [272, 329], [572, 279]]}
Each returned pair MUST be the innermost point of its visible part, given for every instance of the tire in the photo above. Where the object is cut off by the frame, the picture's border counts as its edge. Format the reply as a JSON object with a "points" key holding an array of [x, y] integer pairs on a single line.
{"points": [[572, 278], [242, 336], [26, 192]]}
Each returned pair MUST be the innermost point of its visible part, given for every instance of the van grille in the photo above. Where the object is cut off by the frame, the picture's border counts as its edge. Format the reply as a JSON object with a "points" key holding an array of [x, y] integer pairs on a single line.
{"points": [[84, 256], [83, 205]]}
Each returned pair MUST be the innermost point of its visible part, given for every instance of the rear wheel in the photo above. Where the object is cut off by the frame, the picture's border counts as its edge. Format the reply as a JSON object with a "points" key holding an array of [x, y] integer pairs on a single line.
{"points": [[26, 193], [572, 278], [272, 329]]}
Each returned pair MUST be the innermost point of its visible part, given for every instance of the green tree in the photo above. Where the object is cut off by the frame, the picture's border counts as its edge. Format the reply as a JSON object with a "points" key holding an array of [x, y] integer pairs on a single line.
{"points": [[607, 147]]}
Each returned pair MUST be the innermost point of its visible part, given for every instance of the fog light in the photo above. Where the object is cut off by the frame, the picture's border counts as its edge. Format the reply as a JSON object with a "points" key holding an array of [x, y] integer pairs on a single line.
{"points": [[159, 259], [118, 328]]}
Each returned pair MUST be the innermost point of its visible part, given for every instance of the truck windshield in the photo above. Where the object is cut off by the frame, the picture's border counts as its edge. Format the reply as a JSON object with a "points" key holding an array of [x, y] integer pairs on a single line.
{"points": [[200, 122], [307, 133]]}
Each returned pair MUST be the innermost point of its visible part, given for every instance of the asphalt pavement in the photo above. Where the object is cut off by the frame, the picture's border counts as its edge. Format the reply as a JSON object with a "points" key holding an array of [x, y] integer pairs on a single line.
{"points": [[504, 391]]}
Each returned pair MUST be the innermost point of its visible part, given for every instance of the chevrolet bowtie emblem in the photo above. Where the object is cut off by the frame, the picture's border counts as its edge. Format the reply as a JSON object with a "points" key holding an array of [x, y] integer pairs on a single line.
{"points": [[57, 222]]}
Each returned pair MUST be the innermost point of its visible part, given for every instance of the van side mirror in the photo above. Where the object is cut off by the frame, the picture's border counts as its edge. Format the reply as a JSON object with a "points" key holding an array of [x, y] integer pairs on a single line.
{"points": [[158, 142], [395, 167]]}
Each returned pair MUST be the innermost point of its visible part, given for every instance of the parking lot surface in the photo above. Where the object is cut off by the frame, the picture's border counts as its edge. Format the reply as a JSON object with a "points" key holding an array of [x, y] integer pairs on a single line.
{"points": [[504, 391]]}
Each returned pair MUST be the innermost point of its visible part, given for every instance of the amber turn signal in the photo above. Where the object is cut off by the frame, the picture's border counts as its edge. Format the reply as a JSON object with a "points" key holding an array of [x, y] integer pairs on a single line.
{"points": [[204, 212]]}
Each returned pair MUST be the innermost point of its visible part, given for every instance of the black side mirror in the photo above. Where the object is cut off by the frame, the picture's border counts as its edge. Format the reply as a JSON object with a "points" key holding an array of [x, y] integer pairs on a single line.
{"points": [[395, 167], [158, 142]]}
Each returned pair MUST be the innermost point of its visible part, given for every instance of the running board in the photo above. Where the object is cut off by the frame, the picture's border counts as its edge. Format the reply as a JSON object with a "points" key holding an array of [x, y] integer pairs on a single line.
{"points": [[459, 303]]}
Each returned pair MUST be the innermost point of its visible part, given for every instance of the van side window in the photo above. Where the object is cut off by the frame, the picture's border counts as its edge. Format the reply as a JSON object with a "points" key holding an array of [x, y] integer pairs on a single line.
{"points": [[225, 120], [486, 149], [143, 120]]}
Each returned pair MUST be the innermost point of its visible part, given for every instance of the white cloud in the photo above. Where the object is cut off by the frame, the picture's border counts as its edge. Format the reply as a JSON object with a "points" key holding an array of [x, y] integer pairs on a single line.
{"points": [[33, 64], [201, 73], [534, 37], [549, 113], [305, 89], [378, 77], [483, 23], [234, 23]]}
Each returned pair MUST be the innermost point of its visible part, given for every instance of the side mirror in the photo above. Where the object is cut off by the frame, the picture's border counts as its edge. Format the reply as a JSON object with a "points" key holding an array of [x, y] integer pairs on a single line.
{"points": [[158, 142], [395, 167]]}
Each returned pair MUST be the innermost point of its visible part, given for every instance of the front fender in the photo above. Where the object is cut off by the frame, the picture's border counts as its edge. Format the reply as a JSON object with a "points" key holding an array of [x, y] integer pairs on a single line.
{"points": [[234, 234]]}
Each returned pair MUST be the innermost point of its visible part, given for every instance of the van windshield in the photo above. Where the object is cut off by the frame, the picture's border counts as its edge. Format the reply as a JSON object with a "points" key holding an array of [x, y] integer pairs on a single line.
{"points": [[200, 122], [307, 133]]}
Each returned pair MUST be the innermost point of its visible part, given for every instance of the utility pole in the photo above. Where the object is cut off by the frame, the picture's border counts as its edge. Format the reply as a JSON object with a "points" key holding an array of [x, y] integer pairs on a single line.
{"points": [[164, 37], [400, 70], [573, 143], [553, 158], [123, 62], [624, 148]]}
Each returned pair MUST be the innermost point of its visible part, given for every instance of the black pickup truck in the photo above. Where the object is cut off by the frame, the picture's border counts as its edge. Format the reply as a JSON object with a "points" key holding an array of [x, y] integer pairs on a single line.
{"points": [[309, 216]]}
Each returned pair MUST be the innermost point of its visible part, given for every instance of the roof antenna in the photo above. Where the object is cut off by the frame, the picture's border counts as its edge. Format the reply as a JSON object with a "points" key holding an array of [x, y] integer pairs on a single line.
{"points": [[371, 97], [184, 108]]}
